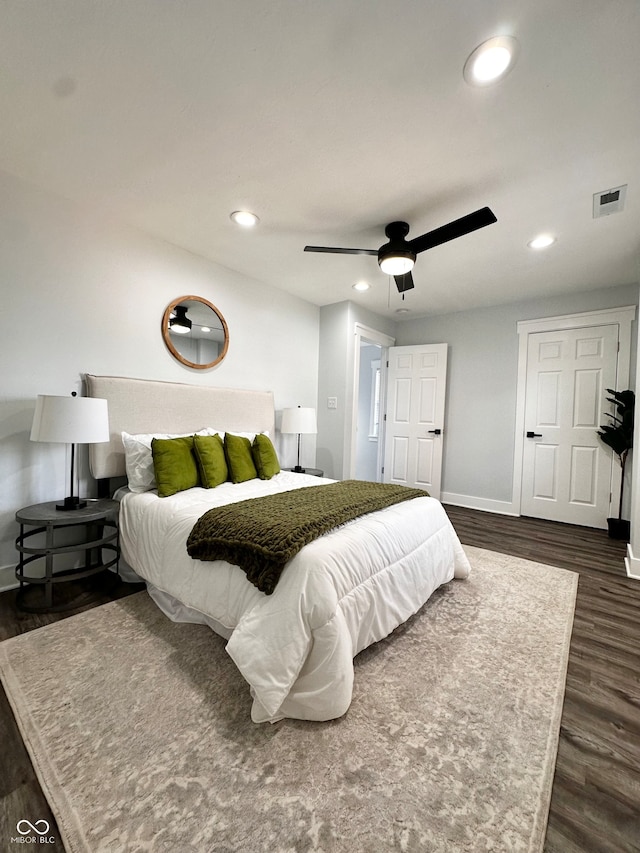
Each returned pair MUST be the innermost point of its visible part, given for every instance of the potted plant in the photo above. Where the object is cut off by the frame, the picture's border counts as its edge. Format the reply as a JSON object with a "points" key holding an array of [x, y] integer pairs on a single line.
{"points": [[618, 435]]}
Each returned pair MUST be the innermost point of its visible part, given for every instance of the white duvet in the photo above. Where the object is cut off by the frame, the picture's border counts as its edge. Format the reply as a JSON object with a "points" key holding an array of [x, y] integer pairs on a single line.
{"points": [[342, 592]]}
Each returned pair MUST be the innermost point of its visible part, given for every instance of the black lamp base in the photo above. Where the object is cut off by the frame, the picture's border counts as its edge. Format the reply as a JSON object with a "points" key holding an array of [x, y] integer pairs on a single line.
{"points": [[299, 470], [71, 503]]}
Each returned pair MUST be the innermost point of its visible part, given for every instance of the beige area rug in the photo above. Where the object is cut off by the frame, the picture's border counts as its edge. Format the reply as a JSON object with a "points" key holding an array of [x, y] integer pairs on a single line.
{"points": [[141, 736]]}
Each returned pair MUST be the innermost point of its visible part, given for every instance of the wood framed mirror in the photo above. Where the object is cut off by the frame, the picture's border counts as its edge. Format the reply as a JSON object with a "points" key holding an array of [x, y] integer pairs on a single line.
{"points": [[195, 332]]}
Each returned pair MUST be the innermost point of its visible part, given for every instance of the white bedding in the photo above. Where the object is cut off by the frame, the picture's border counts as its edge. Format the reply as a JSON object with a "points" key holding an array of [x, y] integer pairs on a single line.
{"points": [[342, 592]]}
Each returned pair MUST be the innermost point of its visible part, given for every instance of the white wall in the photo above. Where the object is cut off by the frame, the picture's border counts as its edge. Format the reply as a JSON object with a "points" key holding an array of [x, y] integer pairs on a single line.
{"points": [[633, 548], [482, 384], [82, 294]]}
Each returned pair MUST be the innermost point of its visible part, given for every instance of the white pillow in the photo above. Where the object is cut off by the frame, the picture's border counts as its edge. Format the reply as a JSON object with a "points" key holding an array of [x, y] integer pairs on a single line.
{"points": [[249, 435], [139, 459]]}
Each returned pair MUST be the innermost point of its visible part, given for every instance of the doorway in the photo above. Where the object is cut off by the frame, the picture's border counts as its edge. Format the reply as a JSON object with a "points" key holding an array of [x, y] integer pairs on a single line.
{"points": [[364, 431], [369, 415]]}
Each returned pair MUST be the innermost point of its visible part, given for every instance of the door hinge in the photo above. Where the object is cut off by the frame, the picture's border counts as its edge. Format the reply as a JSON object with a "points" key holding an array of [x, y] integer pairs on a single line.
{"points": [[384, 417], [382, 471]]}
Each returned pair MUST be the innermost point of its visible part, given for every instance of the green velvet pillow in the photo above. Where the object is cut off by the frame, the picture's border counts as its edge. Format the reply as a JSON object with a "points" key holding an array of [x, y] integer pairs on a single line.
{"points": [[237, 449], [265, 457], [174, 465], [212, 463]]}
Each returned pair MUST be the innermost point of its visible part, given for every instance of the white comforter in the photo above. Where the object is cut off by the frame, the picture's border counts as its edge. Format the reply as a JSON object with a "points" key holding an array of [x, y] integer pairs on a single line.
{"points": [[342, 592]]}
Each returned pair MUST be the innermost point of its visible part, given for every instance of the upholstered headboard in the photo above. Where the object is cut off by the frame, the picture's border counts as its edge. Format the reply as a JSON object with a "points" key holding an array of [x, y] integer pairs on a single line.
{"points": [[147, 405]]}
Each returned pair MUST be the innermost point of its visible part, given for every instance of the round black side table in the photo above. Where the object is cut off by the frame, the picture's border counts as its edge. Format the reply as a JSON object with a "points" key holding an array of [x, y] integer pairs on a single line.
{"points": [[99, 519]]}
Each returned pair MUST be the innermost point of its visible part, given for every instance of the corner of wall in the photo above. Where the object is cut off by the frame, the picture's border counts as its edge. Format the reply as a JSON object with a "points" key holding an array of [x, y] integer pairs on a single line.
{"points": [[7, 578]]}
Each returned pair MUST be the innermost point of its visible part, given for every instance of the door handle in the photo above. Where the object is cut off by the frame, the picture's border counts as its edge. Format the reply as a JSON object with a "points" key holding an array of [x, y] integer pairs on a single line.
{"points": [[534, 434], [435, 431]]}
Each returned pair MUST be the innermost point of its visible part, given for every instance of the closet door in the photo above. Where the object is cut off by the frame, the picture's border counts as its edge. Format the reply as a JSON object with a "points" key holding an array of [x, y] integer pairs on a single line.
{"points": [[566, 470]]}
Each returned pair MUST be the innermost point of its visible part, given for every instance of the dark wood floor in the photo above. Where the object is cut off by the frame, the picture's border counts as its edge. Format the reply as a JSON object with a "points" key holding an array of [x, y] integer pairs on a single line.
{"points": [[595, 805]]}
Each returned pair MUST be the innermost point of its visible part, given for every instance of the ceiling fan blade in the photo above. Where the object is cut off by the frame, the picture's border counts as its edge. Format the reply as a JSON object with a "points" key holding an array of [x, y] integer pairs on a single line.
{"points": [[341, 251], [404, 282], [457, 228]]}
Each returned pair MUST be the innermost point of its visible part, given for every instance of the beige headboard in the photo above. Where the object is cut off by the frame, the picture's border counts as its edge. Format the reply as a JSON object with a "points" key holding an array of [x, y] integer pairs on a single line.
{"points": [[147, 405]]}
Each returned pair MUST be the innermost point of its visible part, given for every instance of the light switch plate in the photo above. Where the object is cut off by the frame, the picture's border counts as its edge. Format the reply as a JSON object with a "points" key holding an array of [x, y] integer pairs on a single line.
{"points": [[332, 402]]}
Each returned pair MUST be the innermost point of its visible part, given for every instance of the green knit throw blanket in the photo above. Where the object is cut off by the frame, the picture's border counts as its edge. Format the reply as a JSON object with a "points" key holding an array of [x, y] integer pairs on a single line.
{"points": [[262, 534]]}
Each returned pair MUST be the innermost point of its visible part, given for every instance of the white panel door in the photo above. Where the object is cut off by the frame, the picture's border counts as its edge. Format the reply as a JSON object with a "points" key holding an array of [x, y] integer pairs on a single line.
{"points": [[566, 468], [416, 382]]}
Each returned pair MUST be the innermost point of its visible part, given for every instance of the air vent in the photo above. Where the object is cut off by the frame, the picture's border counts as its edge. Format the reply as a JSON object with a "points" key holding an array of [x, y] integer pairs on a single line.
{"points": [[609, 201]]}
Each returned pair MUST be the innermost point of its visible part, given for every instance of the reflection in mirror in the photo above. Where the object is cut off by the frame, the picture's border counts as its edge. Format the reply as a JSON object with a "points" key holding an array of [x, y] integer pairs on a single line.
{"points": [[195, 332]]}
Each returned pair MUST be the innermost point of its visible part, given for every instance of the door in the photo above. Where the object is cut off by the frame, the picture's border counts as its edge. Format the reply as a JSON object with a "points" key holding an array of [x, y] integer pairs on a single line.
{"points": [[566, 473], [416, 383]]}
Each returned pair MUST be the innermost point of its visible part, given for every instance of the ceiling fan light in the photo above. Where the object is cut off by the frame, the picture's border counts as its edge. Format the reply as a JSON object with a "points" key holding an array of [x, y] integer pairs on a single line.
{"points": [[397, 263], [180, 323]]}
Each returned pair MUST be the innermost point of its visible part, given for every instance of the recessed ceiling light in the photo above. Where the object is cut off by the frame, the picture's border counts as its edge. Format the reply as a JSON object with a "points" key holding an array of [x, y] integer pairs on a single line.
{"points": [[541, 241], [361, 285], [244, 218], [402, 310], [205, 329], [490, 61]]}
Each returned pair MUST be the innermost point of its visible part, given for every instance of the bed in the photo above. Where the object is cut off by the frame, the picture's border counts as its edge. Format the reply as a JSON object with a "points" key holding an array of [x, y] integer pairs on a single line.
{"points": [[339, 594]]}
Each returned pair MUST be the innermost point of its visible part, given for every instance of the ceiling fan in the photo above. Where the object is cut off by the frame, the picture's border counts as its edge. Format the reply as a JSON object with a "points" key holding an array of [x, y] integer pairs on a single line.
{"points": [[398, 256]]}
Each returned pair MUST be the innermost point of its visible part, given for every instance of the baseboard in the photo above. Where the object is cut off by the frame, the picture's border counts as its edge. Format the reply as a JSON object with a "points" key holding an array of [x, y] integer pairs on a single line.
{"points": [[483, 504], [632, 564], [8, 578]]}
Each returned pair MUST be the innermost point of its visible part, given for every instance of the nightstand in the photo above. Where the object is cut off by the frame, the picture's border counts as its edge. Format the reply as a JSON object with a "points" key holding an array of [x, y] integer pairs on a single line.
{"points": [[315, 472], [97, 532]]}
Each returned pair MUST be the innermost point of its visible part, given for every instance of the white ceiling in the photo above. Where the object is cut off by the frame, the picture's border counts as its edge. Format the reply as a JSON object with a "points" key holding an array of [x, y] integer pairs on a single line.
{"points": [[330, 119]]}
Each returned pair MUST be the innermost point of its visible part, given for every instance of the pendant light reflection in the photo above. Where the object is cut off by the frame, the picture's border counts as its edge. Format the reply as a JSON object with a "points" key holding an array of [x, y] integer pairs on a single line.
{"points": [[179, 322]]}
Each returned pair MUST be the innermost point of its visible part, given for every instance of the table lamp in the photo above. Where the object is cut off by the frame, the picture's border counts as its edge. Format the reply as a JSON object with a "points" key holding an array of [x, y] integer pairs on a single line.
{"points": [[70, 420], [301, 421]]}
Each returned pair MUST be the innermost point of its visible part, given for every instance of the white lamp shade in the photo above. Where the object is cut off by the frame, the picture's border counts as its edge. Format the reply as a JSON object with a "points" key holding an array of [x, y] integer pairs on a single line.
{"points": [[70, 420], [301, 420]]}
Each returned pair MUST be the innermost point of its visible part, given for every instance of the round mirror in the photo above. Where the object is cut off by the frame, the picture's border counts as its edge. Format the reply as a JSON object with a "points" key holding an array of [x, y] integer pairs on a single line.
{"points": [[195, 332]]}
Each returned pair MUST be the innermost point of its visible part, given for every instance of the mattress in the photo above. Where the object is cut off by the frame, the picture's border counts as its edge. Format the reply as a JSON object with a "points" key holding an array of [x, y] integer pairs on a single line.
{"points": [[340, 593]]}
